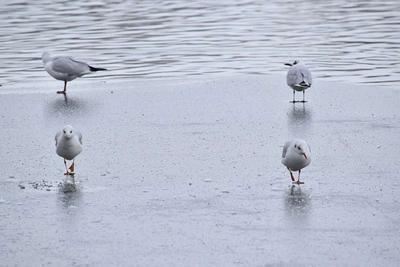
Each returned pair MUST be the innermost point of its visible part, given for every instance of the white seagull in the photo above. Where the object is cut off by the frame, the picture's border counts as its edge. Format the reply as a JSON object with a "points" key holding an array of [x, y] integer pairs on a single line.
{"points": [[68, 146], [296, 155], [66, 68], [298, 78]]}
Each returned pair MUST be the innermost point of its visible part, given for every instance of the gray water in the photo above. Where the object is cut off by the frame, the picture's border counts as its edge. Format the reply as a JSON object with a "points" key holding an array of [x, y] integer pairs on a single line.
{"points": [[352, 41]]}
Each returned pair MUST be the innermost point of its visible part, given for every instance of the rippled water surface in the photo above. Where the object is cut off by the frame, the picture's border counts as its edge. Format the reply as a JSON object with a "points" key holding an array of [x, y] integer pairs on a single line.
{"points": [[356, 41]]}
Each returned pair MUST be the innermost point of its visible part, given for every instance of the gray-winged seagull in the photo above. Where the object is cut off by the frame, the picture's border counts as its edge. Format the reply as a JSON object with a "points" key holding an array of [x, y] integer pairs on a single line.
{"points": [[296, 155], [66, 69], [68, 146], [298, 78]]}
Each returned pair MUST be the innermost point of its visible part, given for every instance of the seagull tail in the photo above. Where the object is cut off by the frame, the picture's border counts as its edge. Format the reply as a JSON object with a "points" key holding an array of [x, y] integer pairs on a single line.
{"points": [[95, 69], [304, 84]]}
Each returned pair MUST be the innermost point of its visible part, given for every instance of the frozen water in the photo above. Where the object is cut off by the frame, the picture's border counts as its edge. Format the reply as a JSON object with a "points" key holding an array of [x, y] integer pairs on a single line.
{"points": [[188, 174]]}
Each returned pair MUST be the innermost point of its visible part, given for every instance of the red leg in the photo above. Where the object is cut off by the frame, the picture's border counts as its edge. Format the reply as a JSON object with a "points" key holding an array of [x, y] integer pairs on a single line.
{"points": [[298, 178], [72, 168]]}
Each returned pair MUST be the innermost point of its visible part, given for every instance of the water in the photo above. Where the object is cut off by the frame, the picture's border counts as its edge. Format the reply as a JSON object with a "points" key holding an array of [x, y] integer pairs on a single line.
{"points": [[352, 41]]}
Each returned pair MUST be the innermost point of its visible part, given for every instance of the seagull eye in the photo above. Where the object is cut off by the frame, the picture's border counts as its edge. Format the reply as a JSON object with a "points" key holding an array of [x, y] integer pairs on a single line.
{"points": [[64, 131], [70, 131]]}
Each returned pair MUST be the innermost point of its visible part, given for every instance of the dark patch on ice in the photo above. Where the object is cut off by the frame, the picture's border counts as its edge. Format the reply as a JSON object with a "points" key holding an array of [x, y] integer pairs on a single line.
{"points": [[68, 187], [384, 126], [42, 185]]}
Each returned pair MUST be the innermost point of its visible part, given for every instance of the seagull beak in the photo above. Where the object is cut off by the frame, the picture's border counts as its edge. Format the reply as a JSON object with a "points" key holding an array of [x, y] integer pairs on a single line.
{"points": [[304, 154]]}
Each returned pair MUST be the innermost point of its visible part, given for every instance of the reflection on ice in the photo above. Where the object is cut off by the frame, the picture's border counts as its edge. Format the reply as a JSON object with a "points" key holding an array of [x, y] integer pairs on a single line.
{"points": [[299, 120], [66, 106], [297, 201], [68, 185], [299, 114], [69, 195]]}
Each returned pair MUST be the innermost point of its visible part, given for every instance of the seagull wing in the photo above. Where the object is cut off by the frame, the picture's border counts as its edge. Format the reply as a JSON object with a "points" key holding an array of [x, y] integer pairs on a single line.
{"points": [[57, 137], [79, 137], [285, 148], [306, 74], [294, 76], [297, 74], [70, 66]]}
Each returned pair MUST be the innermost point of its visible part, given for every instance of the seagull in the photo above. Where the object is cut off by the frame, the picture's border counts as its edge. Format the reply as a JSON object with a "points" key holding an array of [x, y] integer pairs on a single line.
{"points": [[298, 78], [296, 156], [66, 69], [68, 146]]}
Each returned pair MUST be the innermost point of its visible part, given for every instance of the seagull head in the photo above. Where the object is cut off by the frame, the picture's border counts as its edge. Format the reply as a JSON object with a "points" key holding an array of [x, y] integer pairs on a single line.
{"points": [[301, 150], [68, 131], [46, 57], [292, 64]]}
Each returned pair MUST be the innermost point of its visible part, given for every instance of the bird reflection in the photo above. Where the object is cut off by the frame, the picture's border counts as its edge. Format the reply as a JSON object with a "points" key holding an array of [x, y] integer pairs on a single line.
{"points": [[298, 201], [69, 194], [299, 119], [299, 114], [65, 99], [66, 106], [68, 185]]}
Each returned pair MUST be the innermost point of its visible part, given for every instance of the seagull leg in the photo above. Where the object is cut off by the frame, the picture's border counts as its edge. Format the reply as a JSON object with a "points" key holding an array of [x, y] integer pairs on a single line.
{"points": [[72, 168], [291, 175], [66, 168], [294, 97], [304, 99], [65, 89], [298, 179]]}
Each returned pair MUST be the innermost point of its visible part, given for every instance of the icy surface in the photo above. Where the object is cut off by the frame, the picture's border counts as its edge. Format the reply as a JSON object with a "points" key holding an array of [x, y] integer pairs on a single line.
{"points": [[189, 174]]}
